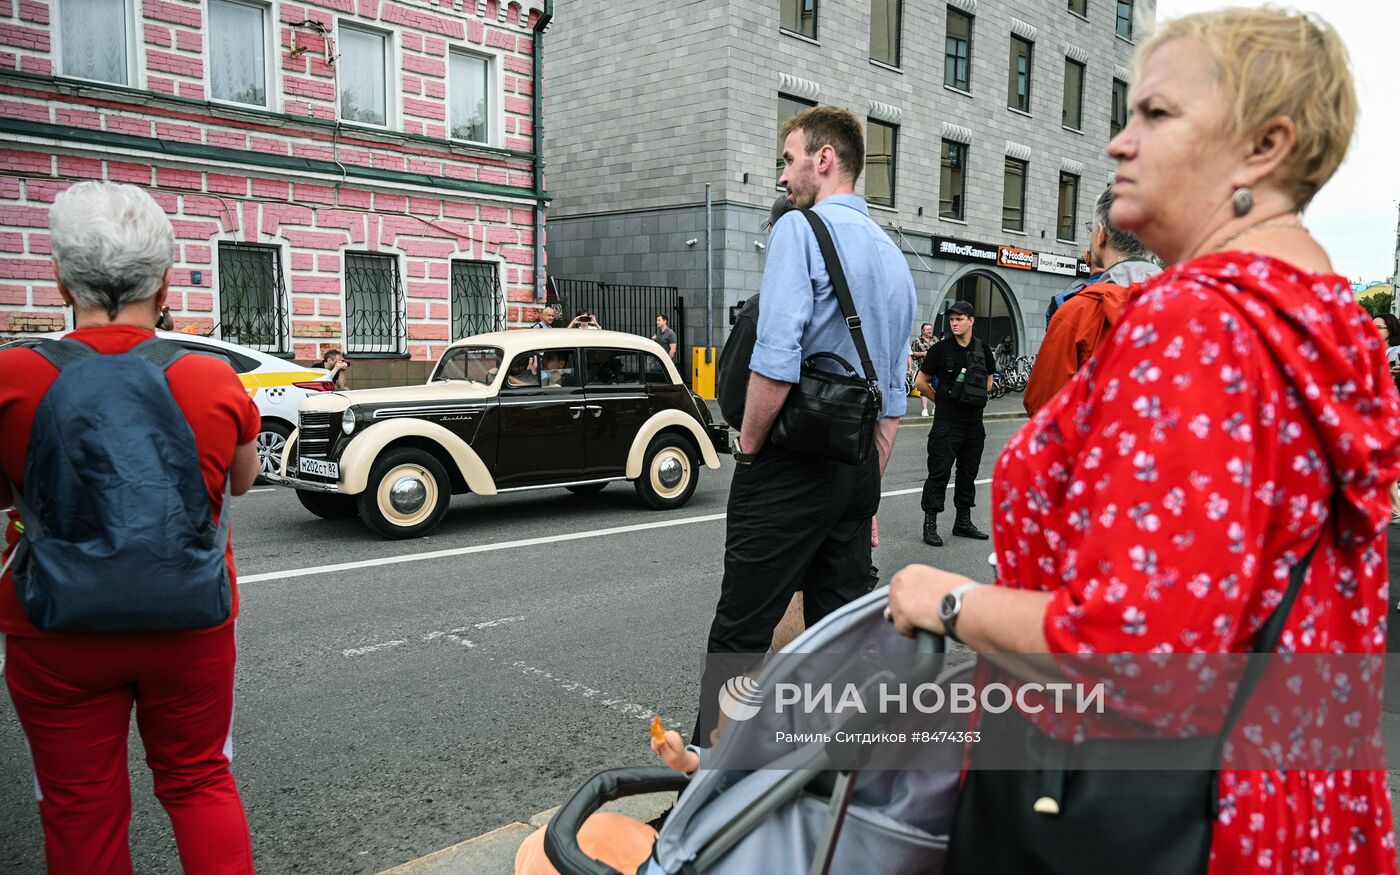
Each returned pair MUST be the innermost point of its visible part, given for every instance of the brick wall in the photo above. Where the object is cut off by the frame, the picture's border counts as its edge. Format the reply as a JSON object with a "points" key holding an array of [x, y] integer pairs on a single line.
{"points": [[407, 190]]}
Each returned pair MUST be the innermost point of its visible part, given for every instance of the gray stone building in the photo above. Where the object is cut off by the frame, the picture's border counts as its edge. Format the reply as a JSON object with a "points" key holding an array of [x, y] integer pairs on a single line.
{"points": [[987, 123]]}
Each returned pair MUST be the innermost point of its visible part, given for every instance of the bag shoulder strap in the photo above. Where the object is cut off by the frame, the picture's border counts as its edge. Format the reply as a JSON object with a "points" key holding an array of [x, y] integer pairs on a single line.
{"points": [[62, 352], [842, 290], [159, 352]]}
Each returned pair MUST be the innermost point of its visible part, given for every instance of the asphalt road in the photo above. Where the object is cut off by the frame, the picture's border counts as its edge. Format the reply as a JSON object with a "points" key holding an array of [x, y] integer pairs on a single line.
{"points": [[385, 712]]}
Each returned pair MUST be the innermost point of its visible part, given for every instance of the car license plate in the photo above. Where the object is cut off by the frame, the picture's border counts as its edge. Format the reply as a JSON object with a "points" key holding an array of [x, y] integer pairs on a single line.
{"points": [[319, 468]]}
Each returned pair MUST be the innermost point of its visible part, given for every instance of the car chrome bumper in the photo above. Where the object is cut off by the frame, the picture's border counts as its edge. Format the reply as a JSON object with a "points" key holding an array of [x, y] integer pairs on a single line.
{"points": [[297, 483]]}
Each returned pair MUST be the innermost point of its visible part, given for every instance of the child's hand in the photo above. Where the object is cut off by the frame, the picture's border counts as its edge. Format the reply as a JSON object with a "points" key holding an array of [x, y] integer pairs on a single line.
{"points": [[672, 751]]}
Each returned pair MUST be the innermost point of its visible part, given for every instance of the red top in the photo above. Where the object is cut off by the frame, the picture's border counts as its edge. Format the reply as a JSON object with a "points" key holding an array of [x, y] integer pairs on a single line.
{"points": [[1163, 495], [218, 409]]}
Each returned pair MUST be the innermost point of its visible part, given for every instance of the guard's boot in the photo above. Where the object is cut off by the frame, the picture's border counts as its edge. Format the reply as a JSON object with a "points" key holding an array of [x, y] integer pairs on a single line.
{"points": [[931, 530], [963, 527]]}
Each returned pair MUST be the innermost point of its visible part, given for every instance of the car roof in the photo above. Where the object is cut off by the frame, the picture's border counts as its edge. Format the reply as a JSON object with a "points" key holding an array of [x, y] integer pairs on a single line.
{"points": [[522, 340]]}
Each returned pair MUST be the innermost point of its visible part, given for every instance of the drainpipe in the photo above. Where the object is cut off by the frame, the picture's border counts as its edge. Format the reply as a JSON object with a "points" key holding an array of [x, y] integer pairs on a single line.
{"points": [[537, 77], [709, 275]]}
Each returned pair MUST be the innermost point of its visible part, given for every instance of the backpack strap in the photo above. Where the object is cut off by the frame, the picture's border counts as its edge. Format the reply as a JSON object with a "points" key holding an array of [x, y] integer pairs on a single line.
{"points": [[62, 352], [159, 352], [842, 290]]}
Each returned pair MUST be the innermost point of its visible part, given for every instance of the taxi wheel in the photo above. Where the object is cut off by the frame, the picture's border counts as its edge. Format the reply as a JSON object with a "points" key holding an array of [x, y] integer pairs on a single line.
{"points": [[271, 441], [669, 472], [407, 494], [328, 505]]}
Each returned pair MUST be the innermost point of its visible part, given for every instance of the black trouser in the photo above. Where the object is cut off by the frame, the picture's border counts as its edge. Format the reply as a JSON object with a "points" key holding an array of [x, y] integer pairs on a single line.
{"points": [[949, 442], [795, 523]]}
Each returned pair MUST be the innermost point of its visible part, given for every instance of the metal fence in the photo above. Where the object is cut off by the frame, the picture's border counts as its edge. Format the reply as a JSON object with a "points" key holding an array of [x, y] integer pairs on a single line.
{"points": [[621, 307]]}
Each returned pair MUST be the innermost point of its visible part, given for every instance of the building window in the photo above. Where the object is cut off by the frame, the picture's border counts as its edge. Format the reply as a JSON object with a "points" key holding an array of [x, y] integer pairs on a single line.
{"points": [[787, 108], [952, 185], [880, 139], [471, 102], [1119, 120], [252, 297], [1079, 7], [96, 40], [1018, 82], [800, 16], [1068, 215], [885, 20], [238, 52], [1125, 19], [476, 298], [1013, 196], [374, 312], [957, 50], [1072, 113], [363, 68]]}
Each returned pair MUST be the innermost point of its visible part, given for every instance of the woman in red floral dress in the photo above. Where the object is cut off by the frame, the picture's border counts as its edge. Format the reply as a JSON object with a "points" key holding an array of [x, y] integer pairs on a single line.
{"points": [[1242, 410]]}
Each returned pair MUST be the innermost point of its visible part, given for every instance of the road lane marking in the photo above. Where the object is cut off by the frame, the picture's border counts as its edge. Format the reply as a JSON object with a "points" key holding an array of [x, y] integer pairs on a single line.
{"points": [[622, 706], [361, 651], [453, 635], [266, 489], [511, 545]]}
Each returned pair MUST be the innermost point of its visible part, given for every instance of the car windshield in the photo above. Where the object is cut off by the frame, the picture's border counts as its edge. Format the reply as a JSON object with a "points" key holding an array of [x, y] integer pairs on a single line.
{"points": [[475, 364]]}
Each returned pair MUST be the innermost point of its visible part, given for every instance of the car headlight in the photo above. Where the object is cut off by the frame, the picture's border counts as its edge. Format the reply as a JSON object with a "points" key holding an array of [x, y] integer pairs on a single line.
{"points": [[347, 420]]}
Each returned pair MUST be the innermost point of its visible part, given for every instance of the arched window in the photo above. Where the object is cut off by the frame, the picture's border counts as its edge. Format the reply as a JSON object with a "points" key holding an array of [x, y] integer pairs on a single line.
{"points": [[995, 321]]}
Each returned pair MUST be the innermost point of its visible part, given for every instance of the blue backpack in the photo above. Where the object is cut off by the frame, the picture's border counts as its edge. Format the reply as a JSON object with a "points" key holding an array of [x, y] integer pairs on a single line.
{"points": [[118, 532]]}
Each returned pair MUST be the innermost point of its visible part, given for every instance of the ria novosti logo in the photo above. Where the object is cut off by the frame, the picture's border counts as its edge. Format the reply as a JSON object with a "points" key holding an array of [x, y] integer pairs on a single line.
{"points": [[740, 698]]}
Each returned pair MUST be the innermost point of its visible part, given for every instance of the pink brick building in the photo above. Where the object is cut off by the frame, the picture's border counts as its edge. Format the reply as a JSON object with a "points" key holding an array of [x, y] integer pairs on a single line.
{"points": [[360, 174]]}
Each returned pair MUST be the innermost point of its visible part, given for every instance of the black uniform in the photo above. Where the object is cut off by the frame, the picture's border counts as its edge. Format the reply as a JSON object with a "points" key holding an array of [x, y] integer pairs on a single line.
{"points": [[957, 435]]}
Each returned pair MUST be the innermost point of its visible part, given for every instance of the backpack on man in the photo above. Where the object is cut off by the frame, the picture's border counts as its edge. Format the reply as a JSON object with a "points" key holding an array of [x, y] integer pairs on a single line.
{"points": [[119, 534]]}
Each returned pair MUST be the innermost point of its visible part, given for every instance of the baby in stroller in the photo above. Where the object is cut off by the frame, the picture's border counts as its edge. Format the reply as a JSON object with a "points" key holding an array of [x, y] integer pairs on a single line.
{"points": [[622, 842]]}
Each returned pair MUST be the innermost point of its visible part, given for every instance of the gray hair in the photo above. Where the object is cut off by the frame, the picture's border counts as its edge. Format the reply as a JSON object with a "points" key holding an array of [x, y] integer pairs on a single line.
{"points": [[1125, 243], [112, 243]]}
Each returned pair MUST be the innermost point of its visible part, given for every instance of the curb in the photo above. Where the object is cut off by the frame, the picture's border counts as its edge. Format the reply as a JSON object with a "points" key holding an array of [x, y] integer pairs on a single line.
{"points": [[493, 853]]}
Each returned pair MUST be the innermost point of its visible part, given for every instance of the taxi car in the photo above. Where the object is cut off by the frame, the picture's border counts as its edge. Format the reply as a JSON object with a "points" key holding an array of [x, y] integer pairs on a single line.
{"points": [[504, 412], [276, 385]]}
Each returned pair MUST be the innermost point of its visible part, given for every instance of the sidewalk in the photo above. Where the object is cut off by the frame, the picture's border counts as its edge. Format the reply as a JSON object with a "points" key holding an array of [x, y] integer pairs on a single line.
{"points": [[998, 409]]}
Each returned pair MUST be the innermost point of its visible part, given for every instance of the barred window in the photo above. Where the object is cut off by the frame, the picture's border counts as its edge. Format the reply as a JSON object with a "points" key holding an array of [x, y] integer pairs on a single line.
{"points": [[252, 297], [476, 298], [374, 305]]}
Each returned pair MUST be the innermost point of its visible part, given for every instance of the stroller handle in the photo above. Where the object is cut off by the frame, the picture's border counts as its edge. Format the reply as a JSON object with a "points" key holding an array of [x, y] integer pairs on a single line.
{"points": [[561, 835], [927, 642]]}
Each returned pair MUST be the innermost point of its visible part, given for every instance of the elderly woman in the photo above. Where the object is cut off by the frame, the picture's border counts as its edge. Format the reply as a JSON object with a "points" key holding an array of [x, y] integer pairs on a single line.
{"points": [[1241, 412], [74, 692]]}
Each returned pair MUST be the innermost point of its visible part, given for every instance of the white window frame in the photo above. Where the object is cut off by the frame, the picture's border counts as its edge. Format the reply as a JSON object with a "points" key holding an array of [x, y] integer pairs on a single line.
{"points": [[271, 54], [495, 95], [393, 92], [135, 55]]}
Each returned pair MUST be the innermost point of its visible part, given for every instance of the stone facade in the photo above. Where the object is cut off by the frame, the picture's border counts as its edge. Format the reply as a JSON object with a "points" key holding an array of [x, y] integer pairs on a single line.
{"points": [[645, 109], [289, 175]]}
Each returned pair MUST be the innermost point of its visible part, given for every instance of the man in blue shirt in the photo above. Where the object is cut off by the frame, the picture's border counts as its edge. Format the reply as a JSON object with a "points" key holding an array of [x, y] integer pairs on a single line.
{"points": [[796, 523]]}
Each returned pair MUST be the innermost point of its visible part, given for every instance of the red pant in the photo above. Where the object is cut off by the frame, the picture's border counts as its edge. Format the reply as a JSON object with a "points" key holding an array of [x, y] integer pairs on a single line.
{"points": [[74, 700]]}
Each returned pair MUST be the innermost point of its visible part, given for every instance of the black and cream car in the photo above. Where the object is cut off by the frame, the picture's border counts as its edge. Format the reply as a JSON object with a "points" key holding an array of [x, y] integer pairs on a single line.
{"points": [[504, 412]]}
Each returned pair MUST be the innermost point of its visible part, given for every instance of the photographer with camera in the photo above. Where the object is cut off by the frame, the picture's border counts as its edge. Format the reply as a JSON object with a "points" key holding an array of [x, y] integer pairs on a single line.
{"points": [[338, 368], [584, 319]]}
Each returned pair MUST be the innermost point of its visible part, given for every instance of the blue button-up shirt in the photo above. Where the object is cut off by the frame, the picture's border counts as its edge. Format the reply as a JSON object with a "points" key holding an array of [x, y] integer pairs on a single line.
{"points": [[800, 315]]}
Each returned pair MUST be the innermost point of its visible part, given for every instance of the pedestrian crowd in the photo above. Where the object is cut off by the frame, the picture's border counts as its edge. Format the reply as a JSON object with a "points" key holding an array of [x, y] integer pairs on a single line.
{"points": [[1209, 468]]}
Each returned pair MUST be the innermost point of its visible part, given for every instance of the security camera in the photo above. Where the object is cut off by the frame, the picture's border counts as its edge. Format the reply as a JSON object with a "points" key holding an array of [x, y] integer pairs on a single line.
{"points": [[691, 242], [758, 244]]}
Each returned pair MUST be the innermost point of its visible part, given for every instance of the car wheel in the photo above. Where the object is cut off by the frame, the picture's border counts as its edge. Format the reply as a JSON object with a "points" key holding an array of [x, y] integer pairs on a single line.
{"points": [[586, 488], [407, 494], [669, 472], [328, 505], [272, 440]]}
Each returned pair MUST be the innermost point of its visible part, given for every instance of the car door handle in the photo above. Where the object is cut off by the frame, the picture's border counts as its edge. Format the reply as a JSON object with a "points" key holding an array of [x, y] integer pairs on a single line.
{"points": [[596, 408], [577, 411]]}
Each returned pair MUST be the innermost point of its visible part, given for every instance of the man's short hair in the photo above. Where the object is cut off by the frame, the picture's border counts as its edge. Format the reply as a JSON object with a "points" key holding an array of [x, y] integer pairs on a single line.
{"points": [[664, 317], [1125, 243], [835, 127]]}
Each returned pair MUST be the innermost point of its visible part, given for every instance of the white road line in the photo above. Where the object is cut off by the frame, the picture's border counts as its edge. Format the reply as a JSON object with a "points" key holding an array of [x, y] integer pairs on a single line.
{"points": [[264, 489], [361, 651], [510, 545]]}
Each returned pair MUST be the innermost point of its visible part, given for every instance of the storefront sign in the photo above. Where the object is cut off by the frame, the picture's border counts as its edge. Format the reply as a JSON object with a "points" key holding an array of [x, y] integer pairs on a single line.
{"points": [[1020, 259], [963, 250], [1063, 265]]}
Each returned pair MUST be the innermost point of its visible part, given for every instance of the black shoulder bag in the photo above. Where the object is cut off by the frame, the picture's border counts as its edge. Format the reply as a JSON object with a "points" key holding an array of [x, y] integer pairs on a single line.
{"points": [[1070, 810], [829, 415]]}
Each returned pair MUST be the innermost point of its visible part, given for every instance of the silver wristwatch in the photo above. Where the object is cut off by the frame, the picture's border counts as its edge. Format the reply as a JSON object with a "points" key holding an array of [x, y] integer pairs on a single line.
{"points": [[951, 606]]}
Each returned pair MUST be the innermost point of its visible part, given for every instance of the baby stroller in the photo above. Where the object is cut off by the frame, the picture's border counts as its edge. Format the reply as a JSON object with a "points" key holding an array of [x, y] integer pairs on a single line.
{"points": [[798, 809]]}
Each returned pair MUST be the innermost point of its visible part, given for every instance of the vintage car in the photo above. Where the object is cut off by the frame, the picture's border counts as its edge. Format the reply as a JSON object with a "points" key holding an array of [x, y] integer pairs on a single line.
{"points": [[504, 412]]}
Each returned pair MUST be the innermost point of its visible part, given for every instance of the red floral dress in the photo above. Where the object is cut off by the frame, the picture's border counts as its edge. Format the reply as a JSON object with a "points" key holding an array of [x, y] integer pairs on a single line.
{"points": [[1164, 494]]}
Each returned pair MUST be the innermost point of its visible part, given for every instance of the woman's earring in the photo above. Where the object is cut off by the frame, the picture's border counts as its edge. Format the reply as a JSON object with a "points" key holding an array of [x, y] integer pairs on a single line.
{"points": [[1242, 201]]}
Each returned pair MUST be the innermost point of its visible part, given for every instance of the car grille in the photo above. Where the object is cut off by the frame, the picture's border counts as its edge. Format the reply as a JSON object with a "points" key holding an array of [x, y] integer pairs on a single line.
{"points": [[314, 441]]}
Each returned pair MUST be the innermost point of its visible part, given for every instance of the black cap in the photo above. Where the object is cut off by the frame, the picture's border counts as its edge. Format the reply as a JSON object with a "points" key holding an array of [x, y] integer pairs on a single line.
{"points": [[780, 206], [962, 307]]}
